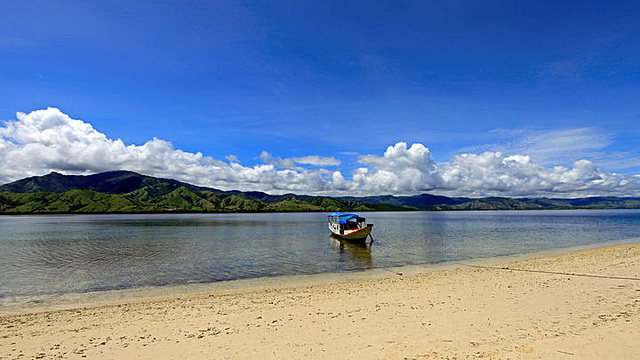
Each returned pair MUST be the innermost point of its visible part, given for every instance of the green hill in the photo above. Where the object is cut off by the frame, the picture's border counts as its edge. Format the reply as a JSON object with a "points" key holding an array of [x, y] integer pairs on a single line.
{"points": [[112, 182], [495, 203], [129, 192], [73, 201], [434, 202]]}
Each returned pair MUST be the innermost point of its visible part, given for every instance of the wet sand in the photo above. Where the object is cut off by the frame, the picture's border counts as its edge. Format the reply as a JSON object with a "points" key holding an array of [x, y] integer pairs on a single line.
{"points": [[581, 305]]}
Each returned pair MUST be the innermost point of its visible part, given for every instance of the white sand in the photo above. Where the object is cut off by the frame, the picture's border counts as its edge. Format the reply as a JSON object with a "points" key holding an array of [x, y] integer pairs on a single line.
{"points": [[464, 313]]}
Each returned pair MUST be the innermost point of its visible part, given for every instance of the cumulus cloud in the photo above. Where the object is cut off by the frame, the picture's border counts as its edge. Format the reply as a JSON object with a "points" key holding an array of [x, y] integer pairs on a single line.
{"points": [[494, 174], [410, 170], [49, 140], [398, 170]]}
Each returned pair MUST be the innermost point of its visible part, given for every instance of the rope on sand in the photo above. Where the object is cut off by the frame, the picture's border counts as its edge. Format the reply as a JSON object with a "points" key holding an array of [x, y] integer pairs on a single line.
{"points": [[552, 272]]}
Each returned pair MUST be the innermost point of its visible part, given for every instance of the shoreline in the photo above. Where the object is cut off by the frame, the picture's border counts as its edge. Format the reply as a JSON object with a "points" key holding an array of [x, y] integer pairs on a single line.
{"points": [[583, 304], [18, 305]]}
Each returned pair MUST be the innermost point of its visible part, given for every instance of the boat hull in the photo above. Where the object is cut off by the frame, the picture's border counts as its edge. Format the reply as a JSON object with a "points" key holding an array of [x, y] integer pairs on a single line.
{"points": [[355, 234]]}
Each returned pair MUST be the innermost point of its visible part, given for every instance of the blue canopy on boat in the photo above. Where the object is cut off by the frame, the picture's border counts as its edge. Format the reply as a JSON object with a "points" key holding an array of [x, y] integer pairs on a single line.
{"points": [[344, 217]]}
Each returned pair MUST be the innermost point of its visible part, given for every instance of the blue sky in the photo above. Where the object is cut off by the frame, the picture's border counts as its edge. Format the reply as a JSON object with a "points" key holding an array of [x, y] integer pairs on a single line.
{"points": [[557, 81]]}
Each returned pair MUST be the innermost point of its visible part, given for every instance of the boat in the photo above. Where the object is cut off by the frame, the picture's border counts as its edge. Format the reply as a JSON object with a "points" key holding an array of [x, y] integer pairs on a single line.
{"points": [[349, 226]]}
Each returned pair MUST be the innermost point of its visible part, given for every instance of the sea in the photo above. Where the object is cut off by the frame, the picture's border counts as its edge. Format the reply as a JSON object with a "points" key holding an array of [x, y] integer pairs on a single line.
{"points": [[51, 255]]}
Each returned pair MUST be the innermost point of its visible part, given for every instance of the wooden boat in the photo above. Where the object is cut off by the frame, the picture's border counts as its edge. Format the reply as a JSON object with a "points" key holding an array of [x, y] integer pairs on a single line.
{"points": [[349, 226]]}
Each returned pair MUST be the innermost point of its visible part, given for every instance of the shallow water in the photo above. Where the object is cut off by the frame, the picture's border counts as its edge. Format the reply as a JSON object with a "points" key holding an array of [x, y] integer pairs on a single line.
{"points": [[44, 255]]}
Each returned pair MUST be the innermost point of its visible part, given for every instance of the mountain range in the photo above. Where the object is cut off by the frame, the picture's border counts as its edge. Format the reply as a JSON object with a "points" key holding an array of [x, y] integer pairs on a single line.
{"points": [[130, 192]]}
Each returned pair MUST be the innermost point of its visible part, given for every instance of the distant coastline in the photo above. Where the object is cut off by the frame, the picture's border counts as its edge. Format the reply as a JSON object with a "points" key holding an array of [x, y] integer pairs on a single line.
{"points": [[125, 192]]}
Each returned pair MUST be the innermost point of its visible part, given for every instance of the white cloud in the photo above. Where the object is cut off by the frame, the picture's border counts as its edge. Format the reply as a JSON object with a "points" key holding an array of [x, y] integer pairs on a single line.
{"points": [[550, 147], [48, 140], [232, 158], [403, 170], [316, 160], [491, 173], [399, 170], [292, 163]]}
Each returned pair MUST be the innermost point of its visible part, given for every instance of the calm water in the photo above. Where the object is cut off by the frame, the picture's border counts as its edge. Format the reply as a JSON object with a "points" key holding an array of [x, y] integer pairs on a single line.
{"points": [[42, 255]]}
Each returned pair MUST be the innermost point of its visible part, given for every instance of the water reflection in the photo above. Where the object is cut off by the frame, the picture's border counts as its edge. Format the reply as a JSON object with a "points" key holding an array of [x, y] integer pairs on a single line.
{"points": [[79, 253], [359, 254]]}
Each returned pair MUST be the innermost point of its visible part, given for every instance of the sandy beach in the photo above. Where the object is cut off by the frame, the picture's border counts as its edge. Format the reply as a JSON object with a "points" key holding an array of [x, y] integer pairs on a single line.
{"points": [[580, 305]]}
